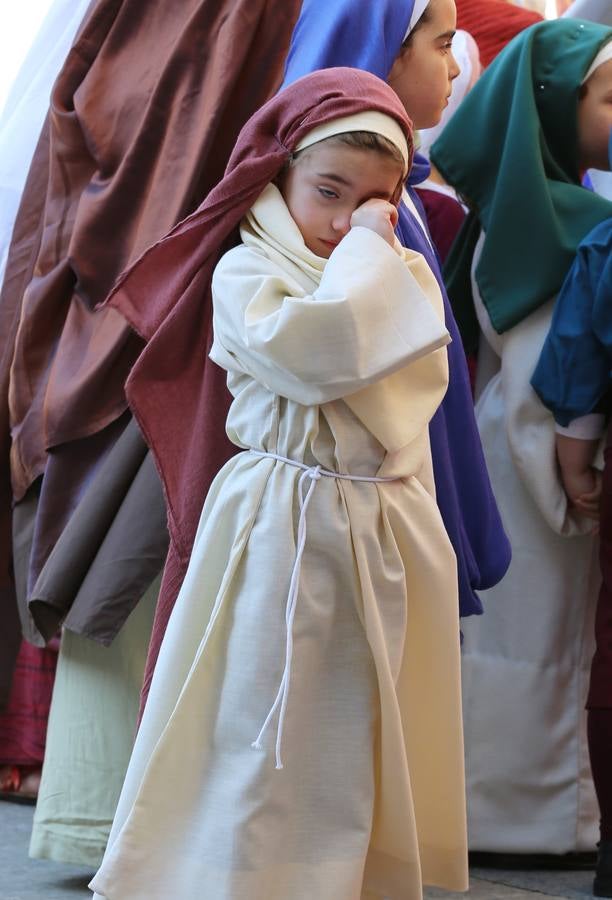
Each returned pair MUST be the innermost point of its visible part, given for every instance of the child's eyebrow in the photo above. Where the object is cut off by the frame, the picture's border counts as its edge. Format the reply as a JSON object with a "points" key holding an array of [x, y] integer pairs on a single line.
{"points": [[331, 176], [447, 35]]}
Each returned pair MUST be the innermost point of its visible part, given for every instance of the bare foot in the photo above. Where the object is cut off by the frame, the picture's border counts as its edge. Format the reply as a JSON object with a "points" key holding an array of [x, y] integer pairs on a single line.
{"points": [[30, 782]]}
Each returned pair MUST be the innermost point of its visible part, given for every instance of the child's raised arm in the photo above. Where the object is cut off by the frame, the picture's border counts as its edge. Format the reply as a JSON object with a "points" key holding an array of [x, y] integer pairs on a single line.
{"points": [[374, 311]]}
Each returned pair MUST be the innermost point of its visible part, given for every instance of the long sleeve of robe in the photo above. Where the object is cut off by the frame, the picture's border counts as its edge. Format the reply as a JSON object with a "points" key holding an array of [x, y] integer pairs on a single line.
{"points": [[357, 330]]}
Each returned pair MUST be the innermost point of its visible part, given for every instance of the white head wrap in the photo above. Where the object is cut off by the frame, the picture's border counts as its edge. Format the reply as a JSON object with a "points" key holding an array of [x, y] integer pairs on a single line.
{"points": [[604, 56], [371, 120], [417, 11], [465, 51]]}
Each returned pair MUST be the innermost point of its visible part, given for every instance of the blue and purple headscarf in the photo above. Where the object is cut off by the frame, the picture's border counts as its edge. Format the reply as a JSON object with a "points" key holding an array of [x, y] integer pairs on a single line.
{"points": [[368, 34]]}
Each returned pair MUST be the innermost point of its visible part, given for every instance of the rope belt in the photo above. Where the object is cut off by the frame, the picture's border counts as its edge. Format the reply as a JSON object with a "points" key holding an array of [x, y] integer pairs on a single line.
{"points": [[314, 474]]}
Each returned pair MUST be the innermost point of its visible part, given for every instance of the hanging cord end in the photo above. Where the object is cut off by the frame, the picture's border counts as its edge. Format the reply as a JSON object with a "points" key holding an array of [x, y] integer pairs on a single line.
{"points": [[257, 745], [314, 474]]}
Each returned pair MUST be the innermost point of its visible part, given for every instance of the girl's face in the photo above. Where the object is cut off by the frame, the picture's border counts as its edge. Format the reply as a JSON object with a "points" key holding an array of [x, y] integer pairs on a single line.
{"points": [[422, 74], [327, 183], [595, 119]]}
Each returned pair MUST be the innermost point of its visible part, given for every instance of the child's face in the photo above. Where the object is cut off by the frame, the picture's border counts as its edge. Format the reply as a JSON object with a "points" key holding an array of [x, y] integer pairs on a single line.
{"points": [[423, 73], [595, 119], [328, 182]]}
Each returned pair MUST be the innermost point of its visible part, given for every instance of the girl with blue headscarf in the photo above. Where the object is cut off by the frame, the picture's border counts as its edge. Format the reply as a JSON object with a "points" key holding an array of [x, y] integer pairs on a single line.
{"points": [[408, 45]]}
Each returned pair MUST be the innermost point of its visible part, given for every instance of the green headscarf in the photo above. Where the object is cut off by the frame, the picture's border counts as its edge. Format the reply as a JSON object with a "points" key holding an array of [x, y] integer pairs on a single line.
{"points": [[512, 151]]}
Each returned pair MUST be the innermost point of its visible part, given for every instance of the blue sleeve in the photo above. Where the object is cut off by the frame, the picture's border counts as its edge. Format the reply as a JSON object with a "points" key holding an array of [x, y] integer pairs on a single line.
{"points": [[574, 370]]}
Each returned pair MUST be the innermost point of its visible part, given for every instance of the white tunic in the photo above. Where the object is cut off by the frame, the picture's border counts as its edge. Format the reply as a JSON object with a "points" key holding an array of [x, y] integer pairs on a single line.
{"points": [[526, 661], [371, 796]]}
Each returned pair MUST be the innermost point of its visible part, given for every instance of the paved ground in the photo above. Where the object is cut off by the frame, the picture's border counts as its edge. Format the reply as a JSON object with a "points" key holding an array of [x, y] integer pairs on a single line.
{"points": [[22, 878], [492, 884], [33, 879]]}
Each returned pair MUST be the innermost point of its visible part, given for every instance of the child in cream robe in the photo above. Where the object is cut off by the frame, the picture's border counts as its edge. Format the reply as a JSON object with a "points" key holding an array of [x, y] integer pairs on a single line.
{"points": [[336, 367]]}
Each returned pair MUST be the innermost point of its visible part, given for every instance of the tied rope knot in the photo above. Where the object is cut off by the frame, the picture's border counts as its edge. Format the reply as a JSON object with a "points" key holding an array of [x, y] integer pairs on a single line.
{"points": [[314, 475]]}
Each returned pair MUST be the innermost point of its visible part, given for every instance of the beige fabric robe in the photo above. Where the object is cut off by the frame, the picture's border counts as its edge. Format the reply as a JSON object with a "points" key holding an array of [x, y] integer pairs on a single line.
{"points": [[371, 796]]}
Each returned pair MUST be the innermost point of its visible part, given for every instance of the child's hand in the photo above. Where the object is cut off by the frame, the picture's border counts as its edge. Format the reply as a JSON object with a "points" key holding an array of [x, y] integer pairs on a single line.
{"points": [[581, 482], [583, 490], [378, 216]]}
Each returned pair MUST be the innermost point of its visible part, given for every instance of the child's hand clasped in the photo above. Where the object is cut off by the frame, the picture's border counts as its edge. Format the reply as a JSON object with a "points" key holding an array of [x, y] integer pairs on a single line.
{"points": [[584, 492], [379, 216]]}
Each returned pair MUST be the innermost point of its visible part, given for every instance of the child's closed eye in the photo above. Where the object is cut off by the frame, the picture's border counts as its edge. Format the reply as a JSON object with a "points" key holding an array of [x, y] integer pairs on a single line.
{"points": [[328, 193]]}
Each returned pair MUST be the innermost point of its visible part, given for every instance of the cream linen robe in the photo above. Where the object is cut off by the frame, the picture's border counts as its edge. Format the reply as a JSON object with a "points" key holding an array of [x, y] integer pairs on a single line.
{"points": [[526, 661], [370, 801]]}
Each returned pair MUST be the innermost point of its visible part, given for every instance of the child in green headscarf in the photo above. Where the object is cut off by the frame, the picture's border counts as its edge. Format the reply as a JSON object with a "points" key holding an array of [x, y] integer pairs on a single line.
{"points": [[515, 150]]}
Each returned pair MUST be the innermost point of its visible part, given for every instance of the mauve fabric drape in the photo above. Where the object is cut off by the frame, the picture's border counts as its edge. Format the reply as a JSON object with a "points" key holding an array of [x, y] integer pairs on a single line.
{"points": [[143, 117]]}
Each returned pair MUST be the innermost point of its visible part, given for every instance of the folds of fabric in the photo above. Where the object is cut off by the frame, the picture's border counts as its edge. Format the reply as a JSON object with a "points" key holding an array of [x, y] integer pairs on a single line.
{"points": [[89, 739], [23, 724], [445, 216], [573, 373], [468, 506], [114, 543], [143, 117], [368, 38]]}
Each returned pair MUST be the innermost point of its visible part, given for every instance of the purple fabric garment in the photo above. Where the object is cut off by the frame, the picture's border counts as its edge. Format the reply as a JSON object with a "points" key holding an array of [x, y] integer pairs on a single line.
{"points": [[369, 36], [463, 489], [420, 171]]}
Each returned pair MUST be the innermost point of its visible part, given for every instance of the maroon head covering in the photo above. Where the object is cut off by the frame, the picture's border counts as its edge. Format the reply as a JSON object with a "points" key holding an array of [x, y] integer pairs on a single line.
{"points": [[177, 394]]}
